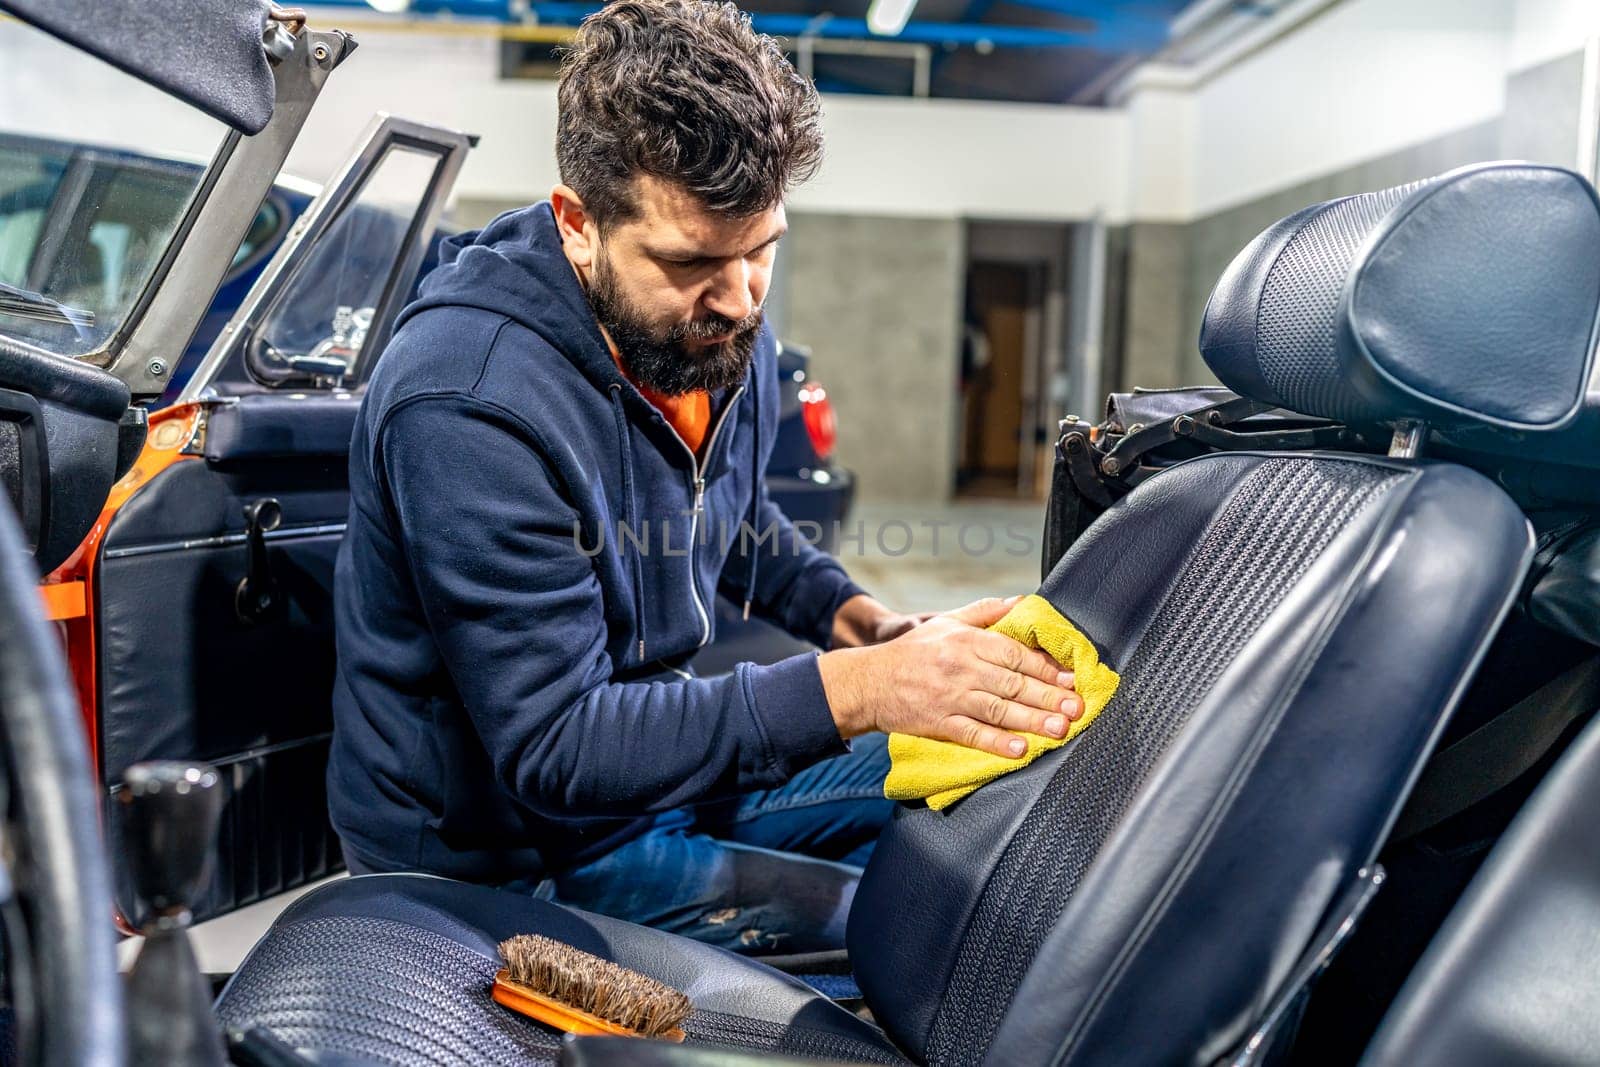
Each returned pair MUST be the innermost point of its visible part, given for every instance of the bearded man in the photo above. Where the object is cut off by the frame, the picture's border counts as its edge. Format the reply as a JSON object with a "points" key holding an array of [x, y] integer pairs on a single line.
{"points": [[557, 466]]}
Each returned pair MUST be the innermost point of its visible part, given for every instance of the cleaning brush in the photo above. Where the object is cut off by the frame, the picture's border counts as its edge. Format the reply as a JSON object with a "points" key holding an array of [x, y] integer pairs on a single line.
{"points": [[581, 993]]}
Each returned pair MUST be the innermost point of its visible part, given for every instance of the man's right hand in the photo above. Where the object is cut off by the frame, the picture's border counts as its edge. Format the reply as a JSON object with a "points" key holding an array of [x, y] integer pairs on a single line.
{"points": [[952, 680]]}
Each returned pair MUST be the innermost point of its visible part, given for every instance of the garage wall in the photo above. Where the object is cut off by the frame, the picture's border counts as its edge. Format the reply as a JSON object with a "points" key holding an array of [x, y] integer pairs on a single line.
{"points": [[1155, 328], [878, 300], [1543, 103], [1381, 93], [1363, 80]]}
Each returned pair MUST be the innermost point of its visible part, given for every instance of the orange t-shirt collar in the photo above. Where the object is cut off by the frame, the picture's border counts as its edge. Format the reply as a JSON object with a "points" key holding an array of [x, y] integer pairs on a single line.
{"points": [[688, 414]]}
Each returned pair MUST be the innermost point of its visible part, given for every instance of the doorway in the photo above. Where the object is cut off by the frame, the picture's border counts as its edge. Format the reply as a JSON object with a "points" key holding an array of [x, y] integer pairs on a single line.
{"points": [[999, 334], [1012, 365]]}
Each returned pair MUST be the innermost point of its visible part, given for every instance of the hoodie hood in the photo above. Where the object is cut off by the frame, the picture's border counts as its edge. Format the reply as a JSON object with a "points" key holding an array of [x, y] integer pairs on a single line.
{"points": [[515, 267]]}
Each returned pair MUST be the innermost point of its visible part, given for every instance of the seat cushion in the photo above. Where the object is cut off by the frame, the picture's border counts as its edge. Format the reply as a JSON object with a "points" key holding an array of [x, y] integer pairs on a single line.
{"points": [[396, 969], [1512, 976]]}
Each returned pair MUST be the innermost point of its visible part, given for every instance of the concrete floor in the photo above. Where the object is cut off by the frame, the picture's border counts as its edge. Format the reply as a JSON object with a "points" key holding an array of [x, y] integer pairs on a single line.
{"points": [[912, 557]]}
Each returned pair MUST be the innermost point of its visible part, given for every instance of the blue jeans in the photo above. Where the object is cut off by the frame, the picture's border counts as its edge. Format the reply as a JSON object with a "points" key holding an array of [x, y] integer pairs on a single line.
{"points": [[767, 872]]}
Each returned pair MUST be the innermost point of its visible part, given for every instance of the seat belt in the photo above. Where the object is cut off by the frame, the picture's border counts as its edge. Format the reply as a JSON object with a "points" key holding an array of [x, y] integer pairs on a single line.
{"points": [[1500, 751]]}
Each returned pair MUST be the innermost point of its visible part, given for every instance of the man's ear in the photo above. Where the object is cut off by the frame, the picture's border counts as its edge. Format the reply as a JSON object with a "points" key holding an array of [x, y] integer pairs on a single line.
{"points": [[580, 238]]}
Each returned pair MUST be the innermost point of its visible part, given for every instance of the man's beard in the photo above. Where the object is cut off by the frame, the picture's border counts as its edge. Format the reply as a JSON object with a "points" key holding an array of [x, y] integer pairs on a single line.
{"points": [[662, 361]]}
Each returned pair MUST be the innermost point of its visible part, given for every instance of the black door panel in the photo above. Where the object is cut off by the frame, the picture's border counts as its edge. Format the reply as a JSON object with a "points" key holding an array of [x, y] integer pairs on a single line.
{"points": [[191, 666], [183, 676]]}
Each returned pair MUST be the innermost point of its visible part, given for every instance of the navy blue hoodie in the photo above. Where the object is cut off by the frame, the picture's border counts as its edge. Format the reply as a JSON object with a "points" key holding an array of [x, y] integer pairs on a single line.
{"points": [[508, 699]]}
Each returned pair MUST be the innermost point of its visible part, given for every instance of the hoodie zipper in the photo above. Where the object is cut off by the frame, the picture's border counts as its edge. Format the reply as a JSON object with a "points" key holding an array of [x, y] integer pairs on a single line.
{"points": [[698, 484]]}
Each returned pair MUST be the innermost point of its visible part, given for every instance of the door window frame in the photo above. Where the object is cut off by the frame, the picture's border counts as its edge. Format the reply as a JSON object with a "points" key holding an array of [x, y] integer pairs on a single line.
{"points": [[276, 282]]}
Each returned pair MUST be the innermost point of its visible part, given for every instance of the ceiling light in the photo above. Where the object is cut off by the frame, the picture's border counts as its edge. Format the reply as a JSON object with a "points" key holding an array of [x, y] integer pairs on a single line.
{"points": [[888, 17]]}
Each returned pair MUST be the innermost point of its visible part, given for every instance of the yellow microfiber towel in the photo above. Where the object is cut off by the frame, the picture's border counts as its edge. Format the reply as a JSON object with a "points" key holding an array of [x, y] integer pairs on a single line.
{"points": [[942, 772]]}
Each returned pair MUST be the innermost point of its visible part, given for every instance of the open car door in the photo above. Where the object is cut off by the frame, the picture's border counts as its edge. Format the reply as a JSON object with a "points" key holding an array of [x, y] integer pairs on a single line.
{"points": [[207, 630]]}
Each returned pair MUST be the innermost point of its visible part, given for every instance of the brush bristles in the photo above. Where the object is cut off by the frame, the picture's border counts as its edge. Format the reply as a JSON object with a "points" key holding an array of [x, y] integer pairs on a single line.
{"points": [[589, 983]]}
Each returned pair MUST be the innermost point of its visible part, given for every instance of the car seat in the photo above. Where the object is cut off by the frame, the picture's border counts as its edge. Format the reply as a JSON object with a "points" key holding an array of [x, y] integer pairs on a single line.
{"points": [[1292, 632], [1512, 975]]}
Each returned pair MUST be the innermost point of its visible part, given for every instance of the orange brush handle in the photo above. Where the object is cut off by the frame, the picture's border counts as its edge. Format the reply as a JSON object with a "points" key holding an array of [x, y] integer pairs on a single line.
{"points": [[524, 1001]]}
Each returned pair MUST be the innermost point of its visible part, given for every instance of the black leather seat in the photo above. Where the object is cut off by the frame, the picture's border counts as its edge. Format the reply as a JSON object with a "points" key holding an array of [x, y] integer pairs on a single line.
{"points": [[393, 968], [1513, 977], [1292, 631]]}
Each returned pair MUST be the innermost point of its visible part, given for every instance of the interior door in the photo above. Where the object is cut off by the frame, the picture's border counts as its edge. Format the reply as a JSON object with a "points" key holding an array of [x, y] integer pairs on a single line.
{"points": [[213, 584]]}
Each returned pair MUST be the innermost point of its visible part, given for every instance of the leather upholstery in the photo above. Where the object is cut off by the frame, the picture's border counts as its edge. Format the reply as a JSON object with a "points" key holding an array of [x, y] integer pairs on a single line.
{"points": [[267, 426], [429, 945], [1512, 975], [58, 480], [1469, 298], [183, 677], [1201, 872], [71, 383], [626, 1052]]}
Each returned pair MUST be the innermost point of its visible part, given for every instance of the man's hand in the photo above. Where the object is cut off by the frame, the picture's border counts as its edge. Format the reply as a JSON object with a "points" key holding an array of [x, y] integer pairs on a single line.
{"points": [[952, 680], [861, 620]]}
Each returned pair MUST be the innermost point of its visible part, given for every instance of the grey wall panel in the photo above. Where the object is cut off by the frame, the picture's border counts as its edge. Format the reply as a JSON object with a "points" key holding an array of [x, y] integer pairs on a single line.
{"points": [[1155, 306], [878, 300], [1541, 116]]}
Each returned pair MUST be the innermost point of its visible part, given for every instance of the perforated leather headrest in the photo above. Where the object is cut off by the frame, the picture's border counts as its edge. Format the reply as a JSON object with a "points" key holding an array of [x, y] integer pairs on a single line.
{"points": [[1473, 297]]}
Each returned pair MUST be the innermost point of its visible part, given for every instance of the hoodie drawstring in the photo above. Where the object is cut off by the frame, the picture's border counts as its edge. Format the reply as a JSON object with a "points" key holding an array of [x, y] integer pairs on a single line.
{"points": [[629, 511], [755, 498]]}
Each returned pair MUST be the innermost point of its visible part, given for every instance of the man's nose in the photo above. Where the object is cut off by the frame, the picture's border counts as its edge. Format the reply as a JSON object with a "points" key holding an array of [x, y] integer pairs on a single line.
{"points": [[730, 294]]}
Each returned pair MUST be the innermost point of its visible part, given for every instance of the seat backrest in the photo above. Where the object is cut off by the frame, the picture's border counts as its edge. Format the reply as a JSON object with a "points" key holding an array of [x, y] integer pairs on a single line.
{"points": [[1292, 631], [1512, 975]]}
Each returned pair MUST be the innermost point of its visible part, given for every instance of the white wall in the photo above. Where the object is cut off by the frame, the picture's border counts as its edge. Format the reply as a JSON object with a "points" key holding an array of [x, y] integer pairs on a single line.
{"points": [[1364, 79], [1545, 29], [1161, 154]]}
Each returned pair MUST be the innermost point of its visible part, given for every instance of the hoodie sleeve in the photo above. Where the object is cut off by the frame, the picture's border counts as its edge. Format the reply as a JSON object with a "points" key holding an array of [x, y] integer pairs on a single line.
{"points": [[798, 586], [517, 614]]}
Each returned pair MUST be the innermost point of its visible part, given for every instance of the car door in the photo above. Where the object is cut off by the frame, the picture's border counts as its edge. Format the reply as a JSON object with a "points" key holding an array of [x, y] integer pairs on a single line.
{"points": [[210, 579]]}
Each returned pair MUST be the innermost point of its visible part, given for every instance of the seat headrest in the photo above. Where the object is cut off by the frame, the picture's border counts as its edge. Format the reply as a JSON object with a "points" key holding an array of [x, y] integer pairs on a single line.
{"points": [[1469, 298]]}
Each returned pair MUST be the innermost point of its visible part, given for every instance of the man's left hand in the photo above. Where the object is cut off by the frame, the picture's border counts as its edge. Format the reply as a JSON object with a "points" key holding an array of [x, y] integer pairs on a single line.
{"points": [[861, 620]]}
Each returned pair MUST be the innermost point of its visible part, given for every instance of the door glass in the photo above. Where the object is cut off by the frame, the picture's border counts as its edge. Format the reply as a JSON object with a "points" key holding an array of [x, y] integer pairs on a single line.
{"points": [[90, 197], [319, 321], [28, 182]]}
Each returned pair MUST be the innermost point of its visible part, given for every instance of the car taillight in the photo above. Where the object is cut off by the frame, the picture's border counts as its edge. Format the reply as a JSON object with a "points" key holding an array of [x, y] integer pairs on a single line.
{"points": [[816, 410]]}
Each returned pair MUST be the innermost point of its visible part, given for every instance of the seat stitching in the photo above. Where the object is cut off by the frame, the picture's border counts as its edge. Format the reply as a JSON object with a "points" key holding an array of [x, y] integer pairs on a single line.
{"points": [[1259, 739]]}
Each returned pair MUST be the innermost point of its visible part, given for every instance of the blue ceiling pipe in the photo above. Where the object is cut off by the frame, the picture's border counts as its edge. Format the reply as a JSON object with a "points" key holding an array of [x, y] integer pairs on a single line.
{"points": [[1110, 33]]}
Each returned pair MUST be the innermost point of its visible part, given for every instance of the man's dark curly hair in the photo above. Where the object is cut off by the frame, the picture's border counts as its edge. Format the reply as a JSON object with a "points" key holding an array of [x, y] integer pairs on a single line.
{"points": [[687, 92]]}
